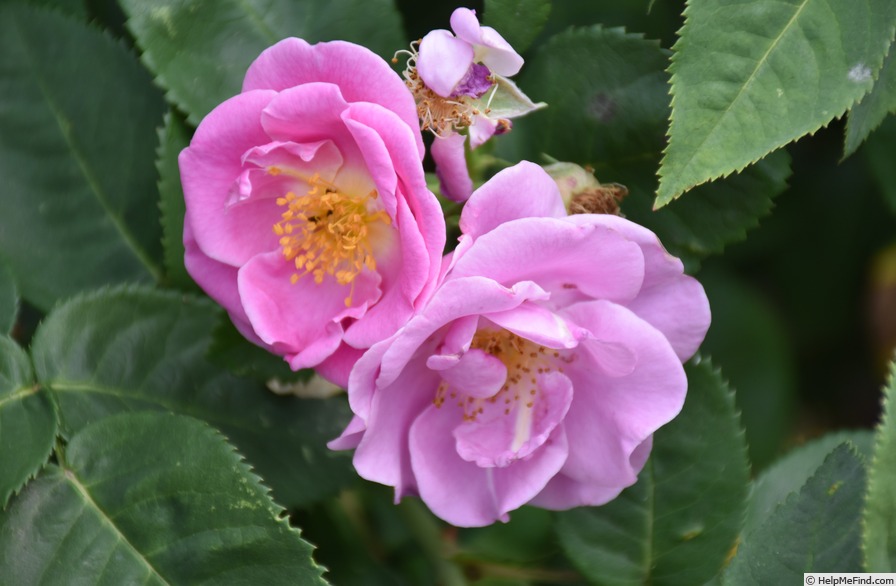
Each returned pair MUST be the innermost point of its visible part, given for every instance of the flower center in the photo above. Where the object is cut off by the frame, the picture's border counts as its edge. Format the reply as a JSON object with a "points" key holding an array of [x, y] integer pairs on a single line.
{"points": [[326, 232], [523, 359]]}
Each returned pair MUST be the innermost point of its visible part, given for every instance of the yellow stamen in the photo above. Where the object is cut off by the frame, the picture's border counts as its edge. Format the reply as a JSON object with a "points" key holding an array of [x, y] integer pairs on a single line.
{"points": [[327, 232]]}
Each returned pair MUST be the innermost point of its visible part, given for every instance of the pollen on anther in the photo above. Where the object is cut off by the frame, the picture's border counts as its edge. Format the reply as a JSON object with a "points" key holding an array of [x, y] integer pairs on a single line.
{"points": [[326, 232]]}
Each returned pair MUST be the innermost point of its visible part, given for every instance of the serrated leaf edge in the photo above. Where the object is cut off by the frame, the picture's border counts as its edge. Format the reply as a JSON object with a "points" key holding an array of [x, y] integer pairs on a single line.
{"points": [[278, 512], [35, 386], [886, 421], [663, 199]]}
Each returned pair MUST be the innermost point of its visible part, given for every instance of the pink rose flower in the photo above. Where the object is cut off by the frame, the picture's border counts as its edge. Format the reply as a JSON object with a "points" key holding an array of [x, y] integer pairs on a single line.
{"points": [[458, 81], [308, 216], [539, 370]]}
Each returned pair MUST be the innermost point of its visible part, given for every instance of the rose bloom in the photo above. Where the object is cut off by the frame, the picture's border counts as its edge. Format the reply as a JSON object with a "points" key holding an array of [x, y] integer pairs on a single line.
{"points": [[539, 370], [308, 216]]}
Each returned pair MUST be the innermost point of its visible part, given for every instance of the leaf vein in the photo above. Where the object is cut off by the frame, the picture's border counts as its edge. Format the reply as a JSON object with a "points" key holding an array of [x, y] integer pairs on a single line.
{"points": [[64, 125], [70, 476]]}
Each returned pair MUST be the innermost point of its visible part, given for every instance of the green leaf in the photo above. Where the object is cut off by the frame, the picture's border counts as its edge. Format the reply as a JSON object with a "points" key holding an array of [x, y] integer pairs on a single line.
{"points": [[791, 472], [74, 8], [815, 530], [679, 522], [77, 133], [748, 339], [749, 77], [151, 498], [27, 421], [879, 155], [174, 136], [874, 107], [525, 540], [879, 532], [132, 350], [9, 300], [200, 49], [607, 98], [518, 21], [717, 214]]}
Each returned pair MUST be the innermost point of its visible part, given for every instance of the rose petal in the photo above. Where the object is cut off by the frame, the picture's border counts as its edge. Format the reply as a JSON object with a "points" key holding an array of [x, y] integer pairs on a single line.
{"points": [[361, 75], [558, 255], [464, 494], [563, 492], [491, 48], [350, 436], [475, 373], [310, 113], [443, 61], [210, 166], [455, 299], [451, 167], [503, 433], [382, 455], [671, 301], [539, 325], [518, 484], [338, 365], [428, 220], [482, 129], [680, 310], [299, 319], [404, 269], [611, 415]]}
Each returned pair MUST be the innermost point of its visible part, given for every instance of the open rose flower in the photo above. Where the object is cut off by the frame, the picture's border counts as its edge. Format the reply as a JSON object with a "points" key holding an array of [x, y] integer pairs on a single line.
{"points": [[459, 83], [539, 370], [308, 216]]}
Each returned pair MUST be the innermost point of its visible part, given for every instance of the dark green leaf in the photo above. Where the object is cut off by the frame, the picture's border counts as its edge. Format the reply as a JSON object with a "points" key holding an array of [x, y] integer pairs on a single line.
{"points": [[151, 498], [791, 472], [74, 8], [815, 530], [9, 300], [27, 421], [77, 133], [200, 49], [749, 77], [518, 21], [607, 108], [679, 522], [173, 138], [874, 107], [130, 350], [748, 339], [879, 154], [879, 534], [716, 214], [526, 539]]}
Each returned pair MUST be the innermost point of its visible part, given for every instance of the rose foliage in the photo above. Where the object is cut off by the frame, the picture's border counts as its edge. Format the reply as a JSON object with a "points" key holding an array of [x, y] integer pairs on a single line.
{"points": [[275, 309]]}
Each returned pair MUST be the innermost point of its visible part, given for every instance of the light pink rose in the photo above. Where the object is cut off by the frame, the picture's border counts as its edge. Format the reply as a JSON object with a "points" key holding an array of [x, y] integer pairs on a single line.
{"points": [[308, 216], [539, 370]]}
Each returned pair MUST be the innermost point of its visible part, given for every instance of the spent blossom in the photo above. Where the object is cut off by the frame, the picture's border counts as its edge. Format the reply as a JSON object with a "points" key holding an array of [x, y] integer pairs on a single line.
{"points": [[459, 82], [308, 216], [540, 368]]}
